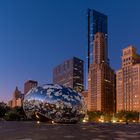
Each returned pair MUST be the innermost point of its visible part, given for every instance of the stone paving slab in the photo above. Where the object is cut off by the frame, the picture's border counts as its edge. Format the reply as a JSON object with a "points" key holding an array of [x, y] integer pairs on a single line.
{"points": [[89, 131]]}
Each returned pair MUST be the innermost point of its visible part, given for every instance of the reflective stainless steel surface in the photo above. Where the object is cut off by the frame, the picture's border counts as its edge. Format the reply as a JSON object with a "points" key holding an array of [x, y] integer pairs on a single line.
{"points": [[54, 102]]}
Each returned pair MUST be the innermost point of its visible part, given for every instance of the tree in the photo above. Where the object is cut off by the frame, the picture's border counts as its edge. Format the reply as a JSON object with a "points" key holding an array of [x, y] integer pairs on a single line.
{"points": [[94, 115], [127, 116], [15, 114], [3, 109]]}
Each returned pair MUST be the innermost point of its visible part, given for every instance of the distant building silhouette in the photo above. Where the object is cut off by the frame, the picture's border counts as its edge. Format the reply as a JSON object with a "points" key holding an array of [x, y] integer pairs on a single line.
{"points": [[28, 85], [16, 99], [128, 81], [70, 74]]}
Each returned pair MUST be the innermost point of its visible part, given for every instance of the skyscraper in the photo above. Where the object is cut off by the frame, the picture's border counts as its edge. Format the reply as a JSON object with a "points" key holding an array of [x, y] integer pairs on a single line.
{"points": [[16, 99], [128, 81], [70, 74], [101, 78], [97, 22], [29, 85]]}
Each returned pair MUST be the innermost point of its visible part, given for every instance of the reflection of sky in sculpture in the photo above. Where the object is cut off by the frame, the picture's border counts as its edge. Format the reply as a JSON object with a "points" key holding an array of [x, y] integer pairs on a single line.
{"points": [[55, 102]]}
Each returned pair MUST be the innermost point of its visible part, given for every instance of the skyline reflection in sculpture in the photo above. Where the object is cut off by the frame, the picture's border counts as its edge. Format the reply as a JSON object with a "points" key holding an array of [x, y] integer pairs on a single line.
{"points": [[54, 102]]}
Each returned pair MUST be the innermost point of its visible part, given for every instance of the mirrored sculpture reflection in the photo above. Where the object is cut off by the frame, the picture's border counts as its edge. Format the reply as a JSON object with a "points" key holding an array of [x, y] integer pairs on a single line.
{"points": [[54, 102]]}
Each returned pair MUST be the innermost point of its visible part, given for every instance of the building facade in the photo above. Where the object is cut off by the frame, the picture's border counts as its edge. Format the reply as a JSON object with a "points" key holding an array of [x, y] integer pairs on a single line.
{"points": [[28, 85], [84, 94], [101, 81], [97, 22], [128, 81], [16, 99], [70, 74]]}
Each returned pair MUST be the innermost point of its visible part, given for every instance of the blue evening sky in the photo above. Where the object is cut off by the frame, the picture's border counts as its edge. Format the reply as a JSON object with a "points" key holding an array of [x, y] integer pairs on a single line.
{"points": [[37, 35]]}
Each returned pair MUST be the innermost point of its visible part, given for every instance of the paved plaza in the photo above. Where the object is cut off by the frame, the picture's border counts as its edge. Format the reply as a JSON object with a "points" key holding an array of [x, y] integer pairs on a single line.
{"points": [[88, 131]]}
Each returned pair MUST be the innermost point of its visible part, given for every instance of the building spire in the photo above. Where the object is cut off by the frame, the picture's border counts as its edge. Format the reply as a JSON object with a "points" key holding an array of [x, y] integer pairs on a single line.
{"points": [[16, 93]]}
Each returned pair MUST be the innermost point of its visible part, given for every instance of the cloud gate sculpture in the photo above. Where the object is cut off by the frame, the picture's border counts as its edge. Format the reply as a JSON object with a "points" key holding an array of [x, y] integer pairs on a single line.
{"points": [[53, 102]]}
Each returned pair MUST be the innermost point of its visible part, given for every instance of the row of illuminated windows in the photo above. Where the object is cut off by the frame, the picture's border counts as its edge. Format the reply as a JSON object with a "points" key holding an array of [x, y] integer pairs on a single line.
{"points": [[129, 70], [128, 78]]}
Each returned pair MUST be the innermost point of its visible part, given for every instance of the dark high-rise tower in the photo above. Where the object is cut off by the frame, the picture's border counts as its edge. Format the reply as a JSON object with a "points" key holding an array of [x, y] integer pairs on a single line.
{"points": [[97, 22], [70, 74]]}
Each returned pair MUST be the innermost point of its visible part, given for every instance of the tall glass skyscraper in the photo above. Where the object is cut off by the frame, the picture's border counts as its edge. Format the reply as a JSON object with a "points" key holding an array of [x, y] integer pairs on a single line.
{"points": [[97, 22], [101, 77]]}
